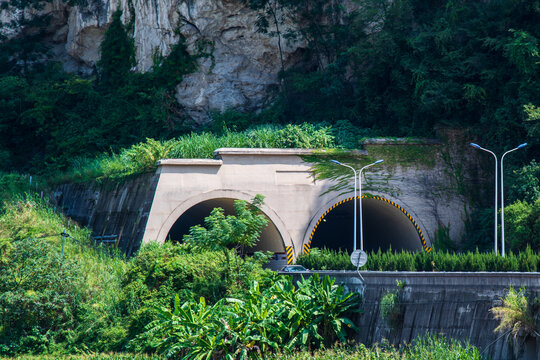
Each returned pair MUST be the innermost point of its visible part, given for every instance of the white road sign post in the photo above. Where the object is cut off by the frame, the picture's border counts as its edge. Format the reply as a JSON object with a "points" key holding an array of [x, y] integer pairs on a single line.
{"points": [[359, 258]]}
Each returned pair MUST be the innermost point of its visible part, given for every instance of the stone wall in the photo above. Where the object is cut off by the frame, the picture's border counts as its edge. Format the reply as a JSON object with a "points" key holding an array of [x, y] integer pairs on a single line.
{"points": [[454, 304], [111, 208]]}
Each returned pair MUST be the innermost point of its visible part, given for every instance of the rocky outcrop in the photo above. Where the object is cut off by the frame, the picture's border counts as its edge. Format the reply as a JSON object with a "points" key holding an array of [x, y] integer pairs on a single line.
{"points": [[241, 65]]}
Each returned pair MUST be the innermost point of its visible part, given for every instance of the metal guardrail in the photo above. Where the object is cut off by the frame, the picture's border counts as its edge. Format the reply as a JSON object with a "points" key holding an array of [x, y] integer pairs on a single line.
{"points": [[107, 239]]}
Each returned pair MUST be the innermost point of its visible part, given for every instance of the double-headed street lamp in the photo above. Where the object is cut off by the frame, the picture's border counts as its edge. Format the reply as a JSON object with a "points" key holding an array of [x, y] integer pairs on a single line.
{"points": [[355, 186], [496, 192]]}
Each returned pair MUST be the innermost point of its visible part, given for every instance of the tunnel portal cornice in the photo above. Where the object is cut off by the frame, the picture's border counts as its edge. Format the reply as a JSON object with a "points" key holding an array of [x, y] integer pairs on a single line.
{"points": [[189, 162]]}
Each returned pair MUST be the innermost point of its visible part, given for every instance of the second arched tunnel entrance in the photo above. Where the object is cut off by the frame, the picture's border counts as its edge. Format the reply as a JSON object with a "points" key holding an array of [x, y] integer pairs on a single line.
{"points": [[385, 225]]}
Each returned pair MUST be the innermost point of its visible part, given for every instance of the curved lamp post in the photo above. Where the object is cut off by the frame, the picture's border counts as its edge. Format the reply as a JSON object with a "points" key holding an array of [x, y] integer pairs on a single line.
{"points": [[355, 186], [496, 182], [360, 187], [502, 193]]}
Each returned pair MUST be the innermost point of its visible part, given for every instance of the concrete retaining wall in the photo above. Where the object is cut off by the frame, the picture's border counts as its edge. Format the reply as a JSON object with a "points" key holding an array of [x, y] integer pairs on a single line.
{"points": [[454, 304], [111, 208]]}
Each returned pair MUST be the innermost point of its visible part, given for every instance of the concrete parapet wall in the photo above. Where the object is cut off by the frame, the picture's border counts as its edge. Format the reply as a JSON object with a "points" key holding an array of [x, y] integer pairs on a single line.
{"points": [[455, 304], [111, 208]]}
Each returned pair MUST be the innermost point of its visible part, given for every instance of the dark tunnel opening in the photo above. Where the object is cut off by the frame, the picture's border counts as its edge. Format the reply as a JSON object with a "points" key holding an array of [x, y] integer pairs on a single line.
{"points": [[385, 226], [270, 238]]}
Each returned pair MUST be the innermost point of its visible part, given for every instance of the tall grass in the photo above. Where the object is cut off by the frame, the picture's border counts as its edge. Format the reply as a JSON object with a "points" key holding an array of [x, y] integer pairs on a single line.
{"points": [[99, 273], [88, 357], [517, 314], [143, 157], [423, 348], [324, 259], [426, 347]]}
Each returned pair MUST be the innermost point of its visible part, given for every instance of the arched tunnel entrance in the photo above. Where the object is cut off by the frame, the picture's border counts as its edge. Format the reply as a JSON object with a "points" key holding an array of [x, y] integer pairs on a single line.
{"points": [[271, 239], [385, 225]]}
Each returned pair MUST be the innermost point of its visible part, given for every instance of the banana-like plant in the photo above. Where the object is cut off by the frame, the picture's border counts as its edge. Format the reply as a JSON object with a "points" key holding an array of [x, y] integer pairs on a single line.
{"points": [[192, 330], [317, 311], [311, 315]]}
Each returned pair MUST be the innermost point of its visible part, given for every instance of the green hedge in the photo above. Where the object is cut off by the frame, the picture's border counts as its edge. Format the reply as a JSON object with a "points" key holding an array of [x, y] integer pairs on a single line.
{"points": [[324, 259]]}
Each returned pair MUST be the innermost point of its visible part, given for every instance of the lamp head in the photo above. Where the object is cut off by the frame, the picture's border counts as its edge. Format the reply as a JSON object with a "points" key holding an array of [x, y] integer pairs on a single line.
{"points": [[335, 162], [378, 161], [475, 145], [522, 145]]}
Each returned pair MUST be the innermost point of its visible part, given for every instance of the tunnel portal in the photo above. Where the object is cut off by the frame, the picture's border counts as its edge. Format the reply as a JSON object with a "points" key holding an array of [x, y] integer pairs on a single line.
{"points": [[385, 225], [270, 240]]}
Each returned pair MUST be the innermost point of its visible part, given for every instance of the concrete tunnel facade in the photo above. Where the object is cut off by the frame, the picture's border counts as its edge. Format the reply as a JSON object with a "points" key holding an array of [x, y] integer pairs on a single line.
{"points": [[302, 211]]}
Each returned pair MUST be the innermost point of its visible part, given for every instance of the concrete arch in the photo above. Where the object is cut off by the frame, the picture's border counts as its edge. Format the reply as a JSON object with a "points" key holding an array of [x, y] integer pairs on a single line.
{"points": [[342, 199], [225, 193]]}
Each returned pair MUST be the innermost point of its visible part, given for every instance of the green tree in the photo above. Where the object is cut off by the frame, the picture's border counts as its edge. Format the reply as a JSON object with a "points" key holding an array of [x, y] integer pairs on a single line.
{"points": [[117, 54], [522, 225], [223, 232], [526, 183]]}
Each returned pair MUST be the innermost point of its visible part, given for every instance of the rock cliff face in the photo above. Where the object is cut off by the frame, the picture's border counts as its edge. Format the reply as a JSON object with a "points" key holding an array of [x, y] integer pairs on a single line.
{"points": [[242, 65]]}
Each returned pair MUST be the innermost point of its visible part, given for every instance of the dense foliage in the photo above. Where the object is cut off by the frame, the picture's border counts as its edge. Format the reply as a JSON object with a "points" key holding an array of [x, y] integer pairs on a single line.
{"points": [[522, 225], [324, 259], [282, 317], [64, 115], [406, 66], [51, 303], [160, 273], [91, 299]]}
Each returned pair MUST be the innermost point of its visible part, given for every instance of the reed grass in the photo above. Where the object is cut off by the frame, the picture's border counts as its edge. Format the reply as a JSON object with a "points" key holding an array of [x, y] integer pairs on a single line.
{"points": [[142, 157]]}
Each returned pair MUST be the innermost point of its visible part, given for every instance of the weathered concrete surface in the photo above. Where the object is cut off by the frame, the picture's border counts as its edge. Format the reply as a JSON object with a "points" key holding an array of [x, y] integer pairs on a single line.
{"points": [[454, 304], [111, 208]]}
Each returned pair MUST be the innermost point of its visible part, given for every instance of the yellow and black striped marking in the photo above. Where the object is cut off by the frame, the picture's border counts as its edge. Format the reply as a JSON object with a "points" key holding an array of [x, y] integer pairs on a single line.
{"points": [[307, 247], [289, 250]]}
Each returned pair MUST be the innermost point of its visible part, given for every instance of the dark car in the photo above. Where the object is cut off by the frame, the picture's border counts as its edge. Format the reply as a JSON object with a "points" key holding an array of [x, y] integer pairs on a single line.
{"points": [[293, 268]]}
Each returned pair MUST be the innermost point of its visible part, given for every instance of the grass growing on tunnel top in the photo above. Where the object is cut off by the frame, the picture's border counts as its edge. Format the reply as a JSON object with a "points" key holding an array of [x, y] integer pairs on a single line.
{"points": [[325, 259], [142, 157]]}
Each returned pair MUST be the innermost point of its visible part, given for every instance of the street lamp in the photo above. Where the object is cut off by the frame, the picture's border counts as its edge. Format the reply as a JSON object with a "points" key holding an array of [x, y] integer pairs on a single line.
{"points": [[360, 187], [496, 182], [502, 193], [355, 186]]}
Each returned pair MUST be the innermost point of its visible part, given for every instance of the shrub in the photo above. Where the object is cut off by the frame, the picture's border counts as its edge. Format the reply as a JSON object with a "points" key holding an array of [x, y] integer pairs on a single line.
{"points": [[324, 259], [526, 186], [523, 225], [517, 314], [40, 297], [313, 314], [160, 272], [50, 303]]}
